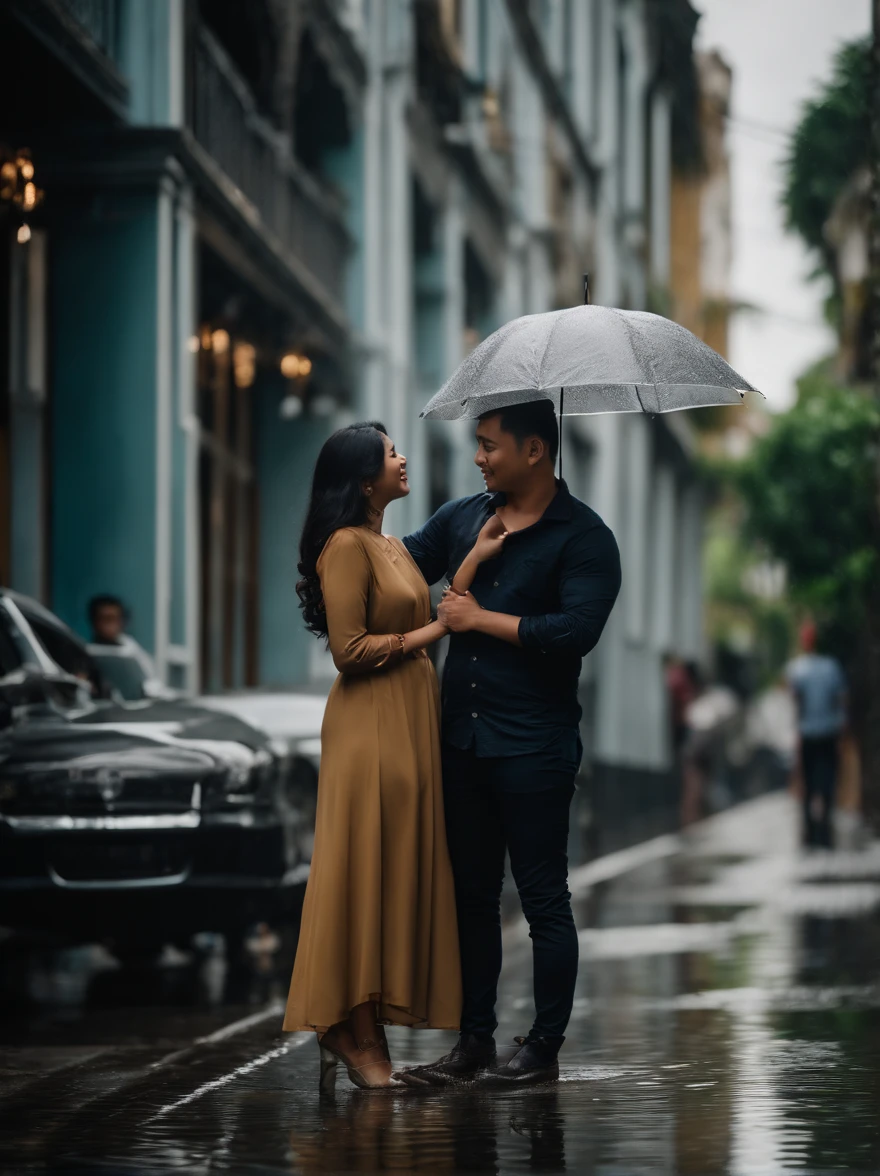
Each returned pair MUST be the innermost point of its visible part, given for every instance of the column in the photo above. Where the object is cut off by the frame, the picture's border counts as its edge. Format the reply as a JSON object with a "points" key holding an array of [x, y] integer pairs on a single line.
{"points": [[27, 412]]}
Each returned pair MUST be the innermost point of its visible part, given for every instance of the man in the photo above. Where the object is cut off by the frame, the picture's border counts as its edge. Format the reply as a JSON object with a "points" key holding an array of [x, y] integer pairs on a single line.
{"points": [[819, 688], [108, 618], [511, 746]]}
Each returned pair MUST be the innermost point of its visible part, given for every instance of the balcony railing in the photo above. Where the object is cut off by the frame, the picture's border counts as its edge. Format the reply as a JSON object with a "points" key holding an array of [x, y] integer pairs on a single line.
{"points": [[98, 18], [291, 206]]}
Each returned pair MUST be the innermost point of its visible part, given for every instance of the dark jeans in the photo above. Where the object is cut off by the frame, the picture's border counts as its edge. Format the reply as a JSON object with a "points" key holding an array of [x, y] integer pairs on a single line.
{"points": [[519, 804], [819, 760]]}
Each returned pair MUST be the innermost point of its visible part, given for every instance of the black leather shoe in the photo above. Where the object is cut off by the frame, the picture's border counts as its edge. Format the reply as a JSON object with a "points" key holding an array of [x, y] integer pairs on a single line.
{"points": [[533, 1063], [468, 1058]]}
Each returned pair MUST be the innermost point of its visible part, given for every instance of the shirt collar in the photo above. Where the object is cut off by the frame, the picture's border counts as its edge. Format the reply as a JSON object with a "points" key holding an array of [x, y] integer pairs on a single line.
{"points": [[559, 509]]}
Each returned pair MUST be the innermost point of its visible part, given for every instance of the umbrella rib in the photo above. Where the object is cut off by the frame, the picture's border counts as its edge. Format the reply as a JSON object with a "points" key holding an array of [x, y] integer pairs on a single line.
{"points": [[549, 341], [630, 331]]}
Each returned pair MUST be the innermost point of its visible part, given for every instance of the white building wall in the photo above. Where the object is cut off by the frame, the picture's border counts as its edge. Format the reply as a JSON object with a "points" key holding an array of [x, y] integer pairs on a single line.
{"points": [[660, 188], [655, 519]]}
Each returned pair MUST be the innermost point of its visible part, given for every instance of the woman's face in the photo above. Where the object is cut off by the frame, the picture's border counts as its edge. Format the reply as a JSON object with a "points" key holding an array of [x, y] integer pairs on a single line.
{"points": [[392, 481]]}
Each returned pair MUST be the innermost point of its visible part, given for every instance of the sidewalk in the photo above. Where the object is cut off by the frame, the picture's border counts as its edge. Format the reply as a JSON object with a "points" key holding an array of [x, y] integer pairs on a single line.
{"points": [[727, 1021]]}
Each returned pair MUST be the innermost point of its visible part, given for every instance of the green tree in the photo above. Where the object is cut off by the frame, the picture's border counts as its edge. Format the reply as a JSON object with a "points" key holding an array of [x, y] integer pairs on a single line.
{"points": [[830, 144], [809, 486], [810, 492]]}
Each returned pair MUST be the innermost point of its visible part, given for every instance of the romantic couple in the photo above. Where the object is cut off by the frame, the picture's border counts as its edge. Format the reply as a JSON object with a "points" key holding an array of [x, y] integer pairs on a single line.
{"points": [[401, 922]]}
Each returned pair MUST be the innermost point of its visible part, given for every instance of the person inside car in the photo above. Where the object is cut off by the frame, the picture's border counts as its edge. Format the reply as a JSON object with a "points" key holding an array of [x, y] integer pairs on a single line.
{"points": [[109, 617]]}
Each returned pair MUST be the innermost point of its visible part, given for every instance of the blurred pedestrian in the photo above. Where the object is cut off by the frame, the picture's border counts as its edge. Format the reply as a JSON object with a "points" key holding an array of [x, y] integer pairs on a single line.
{"points": [[695, 746], [681, 690], [378, 942], [818, 684], [109, 618], [511, 746]]}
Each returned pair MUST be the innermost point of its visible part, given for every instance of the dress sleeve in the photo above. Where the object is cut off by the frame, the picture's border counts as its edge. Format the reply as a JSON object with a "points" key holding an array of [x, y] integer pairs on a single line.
{"points": [[346, 576]]}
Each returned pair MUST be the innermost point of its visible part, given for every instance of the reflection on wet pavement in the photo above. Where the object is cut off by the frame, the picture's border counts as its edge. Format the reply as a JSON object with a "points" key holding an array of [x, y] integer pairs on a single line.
{"points": [[727, 1021]]}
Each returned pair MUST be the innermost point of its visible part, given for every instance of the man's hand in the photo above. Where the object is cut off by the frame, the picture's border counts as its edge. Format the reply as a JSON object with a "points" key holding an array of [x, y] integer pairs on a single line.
{"points": [[458, 613]]}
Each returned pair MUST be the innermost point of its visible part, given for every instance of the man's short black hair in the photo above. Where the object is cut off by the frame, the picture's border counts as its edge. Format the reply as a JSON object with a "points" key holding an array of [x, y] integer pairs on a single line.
{"points": [[535, 419], [106, 601]]}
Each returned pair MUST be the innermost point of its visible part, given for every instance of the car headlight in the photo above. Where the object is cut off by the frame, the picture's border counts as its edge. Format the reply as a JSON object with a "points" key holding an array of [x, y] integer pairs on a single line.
{"points": [[240, 783], [244, 781]]}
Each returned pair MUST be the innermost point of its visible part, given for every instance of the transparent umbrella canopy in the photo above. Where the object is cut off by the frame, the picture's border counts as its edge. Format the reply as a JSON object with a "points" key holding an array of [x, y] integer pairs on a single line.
{"points": [[589, 359]]}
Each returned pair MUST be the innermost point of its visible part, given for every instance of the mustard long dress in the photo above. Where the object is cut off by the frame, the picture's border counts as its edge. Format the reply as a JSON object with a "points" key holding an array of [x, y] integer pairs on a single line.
{"points": [[378, 918]]}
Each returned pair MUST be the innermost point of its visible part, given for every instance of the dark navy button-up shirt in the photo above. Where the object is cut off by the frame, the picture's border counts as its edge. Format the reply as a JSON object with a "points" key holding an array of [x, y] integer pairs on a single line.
{"points": [[561, 576]]}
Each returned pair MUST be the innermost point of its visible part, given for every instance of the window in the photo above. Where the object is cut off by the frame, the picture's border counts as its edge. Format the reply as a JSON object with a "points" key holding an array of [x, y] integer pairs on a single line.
{"points": [[10, 658], [64, 650], [124, 674]]}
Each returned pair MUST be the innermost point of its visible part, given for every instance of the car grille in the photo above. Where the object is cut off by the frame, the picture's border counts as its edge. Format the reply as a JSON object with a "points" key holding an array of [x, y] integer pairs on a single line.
{"points": [[35, 797], [120, 859]]}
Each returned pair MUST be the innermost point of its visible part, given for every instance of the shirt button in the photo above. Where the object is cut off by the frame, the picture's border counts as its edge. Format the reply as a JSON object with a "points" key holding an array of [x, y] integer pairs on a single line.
{"points": [[474, 715], [495, 585], [473, 685], [473, 659]]}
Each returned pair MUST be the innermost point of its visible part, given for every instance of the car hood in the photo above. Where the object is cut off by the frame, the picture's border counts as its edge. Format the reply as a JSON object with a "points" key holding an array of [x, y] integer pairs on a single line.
{"points": [[185, 720], [56, 743], [284, 715]]}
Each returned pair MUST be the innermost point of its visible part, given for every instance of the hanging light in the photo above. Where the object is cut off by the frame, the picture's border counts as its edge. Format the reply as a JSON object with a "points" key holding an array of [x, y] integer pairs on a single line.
{"points": [[220, 340], [193, 344], [17, 180], [244, 364], [23, 235], [295, 366]]}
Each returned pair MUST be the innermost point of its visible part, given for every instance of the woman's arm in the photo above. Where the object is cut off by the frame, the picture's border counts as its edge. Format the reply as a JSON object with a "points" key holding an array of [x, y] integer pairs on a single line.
{"points": [[422, 638], [489, 545]]}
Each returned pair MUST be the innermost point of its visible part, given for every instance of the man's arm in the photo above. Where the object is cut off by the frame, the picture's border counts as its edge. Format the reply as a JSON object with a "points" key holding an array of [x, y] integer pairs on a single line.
{"points": [[429, 546], [588, 587], [589, 584]]}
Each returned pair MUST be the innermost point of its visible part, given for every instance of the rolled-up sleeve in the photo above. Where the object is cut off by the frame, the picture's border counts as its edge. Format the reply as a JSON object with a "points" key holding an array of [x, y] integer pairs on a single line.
{"points": [[429, 546], [346, 577], [589, 583]]}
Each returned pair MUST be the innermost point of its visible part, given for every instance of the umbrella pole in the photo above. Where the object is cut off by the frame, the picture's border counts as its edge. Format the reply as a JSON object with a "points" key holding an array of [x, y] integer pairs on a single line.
{"points": [[562, 390], [561, 407]]}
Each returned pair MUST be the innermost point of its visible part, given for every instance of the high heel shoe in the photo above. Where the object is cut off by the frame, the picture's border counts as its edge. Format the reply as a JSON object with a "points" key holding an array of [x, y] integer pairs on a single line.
{"points": [[327, 1076], [367, 1062]]}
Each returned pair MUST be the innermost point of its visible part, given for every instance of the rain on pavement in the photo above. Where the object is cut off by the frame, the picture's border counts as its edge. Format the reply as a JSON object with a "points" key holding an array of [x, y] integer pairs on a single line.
{"points": [[727, 1021]]}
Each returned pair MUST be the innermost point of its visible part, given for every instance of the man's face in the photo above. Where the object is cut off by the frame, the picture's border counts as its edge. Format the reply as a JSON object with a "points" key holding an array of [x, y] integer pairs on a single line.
{"points": [[109, 622], [503, 463]]}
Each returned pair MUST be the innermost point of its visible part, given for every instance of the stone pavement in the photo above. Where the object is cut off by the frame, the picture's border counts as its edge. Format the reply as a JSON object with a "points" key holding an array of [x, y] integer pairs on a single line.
{"points": [[727, 1021]]}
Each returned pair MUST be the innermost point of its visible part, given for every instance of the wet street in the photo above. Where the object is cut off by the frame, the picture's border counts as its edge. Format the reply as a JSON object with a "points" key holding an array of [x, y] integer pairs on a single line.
{"points": [[727, 1021]]}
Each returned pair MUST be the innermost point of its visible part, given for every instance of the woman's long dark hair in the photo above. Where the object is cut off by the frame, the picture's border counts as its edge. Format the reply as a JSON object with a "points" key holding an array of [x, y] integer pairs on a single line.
{"points": [[349, 458]]}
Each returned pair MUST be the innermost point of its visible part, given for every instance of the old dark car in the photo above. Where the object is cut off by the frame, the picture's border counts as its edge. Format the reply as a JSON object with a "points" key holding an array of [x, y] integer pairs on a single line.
{"points": [[139, 823]]}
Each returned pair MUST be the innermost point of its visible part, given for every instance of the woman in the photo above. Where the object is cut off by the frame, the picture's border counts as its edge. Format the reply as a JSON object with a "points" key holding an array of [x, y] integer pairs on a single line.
{"points": [[378, 942]]}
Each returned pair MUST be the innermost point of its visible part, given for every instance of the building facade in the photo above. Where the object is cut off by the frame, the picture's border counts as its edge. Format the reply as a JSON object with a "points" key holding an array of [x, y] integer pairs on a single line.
{"points": [[261, 221]]}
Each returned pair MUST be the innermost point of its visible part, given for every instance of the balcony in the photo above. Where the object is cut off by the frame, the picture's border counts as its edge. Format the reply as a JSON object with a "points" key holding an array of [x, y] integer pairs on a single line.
{"points": [[251, 163], [84, 36], [99, 19]]}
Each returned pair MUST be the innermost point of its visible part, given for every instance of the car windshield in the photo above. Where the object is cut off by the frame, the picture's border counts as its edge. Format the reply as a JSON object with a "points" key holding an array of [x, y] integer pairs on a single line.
{"points": [[124, 674]]}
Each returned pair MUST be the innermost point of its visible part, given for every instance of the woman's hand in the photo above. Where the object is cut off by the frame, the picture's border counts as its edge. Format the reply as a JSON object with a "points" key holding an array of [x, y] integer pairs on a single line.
{"points": [[490, 540]]}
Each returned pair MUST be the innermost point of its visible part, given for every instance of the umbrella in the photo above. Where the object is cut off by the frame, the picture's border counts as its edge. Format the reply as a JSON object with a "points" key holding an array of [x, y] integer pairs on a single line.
{"points": [[589, 359]]}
